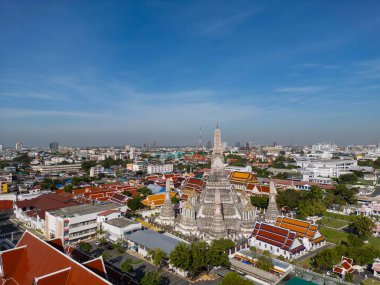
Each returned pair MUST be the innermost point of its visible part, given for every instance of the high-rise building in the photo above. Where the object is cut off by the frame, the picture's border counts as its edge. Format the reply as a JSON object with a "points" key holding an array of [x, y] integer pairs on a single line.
{"points": [[127, 147], [209, 144], [237, 144], [247, 145], [18, 146], [1, 147], [53, 146]]}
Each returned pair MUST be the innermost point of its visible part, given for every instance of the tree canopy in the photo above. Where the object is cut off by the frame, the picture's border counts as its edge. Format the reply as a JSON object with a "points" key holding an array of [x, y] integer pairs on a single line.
{"points": [[151, 278], [157, 255], [362, 227], [235, 279]]}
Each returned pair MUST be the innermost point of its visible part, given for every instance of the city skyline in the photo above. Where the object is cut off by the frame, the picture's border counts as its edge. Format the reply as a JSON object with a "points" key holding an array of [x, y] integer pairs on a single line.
{"points": [[121, 73]]}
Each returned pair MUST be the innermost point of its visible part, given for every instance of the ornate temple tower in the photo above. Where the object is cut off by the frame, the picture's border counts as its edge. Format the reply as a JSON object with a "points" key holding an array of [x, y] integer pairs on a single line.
{"points": [[248, 215], [167, 216], [218, 228], [187, 222], [272, 212]]}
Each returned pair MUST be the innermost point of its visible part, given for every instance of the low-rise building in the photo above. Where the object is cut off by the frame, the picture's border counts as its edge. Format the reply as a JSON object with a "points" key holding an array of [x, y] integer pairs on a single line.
{"points": [[119, 228], [145, 240], [57, 168], [159, 168], [277, 241], [76, 223]]}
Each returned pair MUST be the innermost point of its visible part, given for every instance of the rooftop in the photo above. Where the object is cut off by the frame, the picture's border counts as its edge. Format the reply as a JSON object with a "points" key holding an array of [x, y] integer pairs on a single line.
{"points": [[150, 240], [121, 222], [83, 209]]}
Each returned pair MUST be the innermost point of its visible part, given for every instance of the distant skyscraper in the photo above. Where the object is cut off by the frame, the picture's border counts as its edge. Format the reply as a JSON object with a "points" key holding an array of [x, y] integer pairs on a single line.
{"points": [[127, 147], [1, 147], [18, 146], [209, 144], [237, 144], [247, 145], [53, 146]]}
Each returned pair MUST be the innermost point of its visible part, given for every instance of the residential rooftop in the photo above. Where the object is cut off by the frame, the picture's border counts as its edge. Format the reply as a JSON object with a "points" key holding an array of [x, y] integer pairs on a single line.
{"points": [[121, 222], [83, 209]]}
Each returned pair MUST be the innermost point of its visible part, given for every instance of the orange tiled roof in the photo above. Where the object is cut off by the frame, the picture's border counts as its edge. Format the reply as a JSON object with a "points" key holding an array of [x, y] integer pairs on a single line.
{"points": [[242, 177], [301, 228], [34, 260], [156, 199]]}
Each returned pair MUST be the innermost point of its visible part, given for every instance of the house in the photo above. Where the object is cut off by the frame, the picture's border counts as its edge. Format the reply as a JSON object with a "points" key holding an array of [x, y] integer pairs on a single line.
{"points": [[34, 261], [309, 234], [120, 227], [376, 267], [345, 266], [277, 241], [32, 211]]}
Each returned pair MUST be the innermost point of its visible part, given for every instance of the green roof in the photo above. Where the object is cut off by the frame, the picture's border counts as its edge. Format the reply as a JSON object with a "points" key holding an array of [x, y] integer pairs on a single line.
{"points": [[298, 281]]}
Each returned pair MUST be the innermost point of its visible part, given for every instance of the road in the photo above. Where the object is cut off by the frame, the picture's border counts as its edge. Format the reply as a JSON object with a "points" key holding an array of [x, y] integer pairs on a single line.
{"points": [[8, 229], [140, 266]]}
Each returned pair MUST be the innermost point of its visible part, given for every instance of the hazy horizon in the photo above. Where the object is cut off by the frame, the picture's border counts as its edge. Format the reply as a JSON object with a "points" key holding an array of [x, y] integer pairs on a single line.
{"points": [[128, 72]]}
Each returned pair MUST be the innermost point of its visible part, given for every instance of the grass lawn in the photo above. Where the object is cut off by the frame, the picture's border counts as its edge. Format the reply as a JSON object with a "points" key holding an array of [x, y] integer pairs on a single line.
{"points": [[337, 236], [370, 281], [333, 223], [333, 235], [339, 216]]}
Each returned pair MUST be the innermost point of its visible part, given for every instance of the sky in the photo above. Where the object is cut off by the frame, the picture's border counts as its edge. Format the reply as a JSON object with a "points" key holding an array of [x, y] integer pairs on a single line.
{"points": [[91, 73]]}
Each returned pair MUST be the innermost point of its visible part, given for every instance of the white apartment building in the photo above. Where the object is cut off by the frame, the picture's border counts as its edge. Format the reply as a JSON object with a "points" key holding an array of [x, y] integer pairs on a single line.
{"points": [[96, 170], [137, 166], [57, 168], [332, 168], [76, 223], [159, 168]]}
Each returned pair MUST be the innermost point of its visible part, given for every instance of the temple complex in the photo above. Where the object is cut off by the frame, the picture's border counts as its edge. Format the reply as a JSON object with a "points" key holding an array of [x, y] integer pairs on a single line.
{"points": [[217, 212]]}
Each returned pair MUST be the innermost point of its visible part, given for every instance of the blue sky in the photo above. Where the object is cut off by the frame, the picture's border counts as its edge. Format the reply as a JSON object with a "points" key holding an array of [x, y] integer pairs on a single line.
{"points": [[125, 72]]}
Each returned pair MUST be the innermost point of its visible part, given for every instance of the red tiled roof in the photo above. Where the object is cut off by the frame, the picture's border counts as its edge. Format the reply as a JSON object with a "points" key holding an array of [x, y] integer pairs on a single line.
{"points": [[276, 236], [108, 212], [6, 204], [96, 265], [46, 202], [35, 260]]}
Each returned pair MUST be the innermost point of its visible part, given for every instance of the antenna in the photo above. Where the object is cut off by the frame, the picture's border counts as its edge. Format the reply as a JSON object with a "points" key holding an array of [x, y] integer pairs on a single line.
{"points": [[200, 138]]}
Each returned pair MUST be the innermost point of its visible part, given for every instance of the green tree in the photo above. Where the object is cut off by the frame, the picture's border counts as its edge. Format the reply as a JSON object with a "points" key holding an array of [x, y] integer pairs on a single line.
{"points": [[349, 178], [362, 227], [326, 259], [135, 203], [106, 255], [68, 188], [118, 246], [235, 279], [260, 201], [144, 192], [181, 256], [85, 247], [316, 192], [151, 278], [157, 255], [86, 165], [48, 184], [349, 277], [126, 266], [311, 207], [264, 263], [345, 193], [23, 158]]}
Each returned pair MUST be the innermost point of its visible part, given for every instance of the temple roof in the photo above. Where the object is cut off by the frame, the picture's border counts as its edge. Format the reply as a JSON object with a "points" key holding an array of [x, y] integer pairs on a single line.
{"points": [[34, 260]]}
